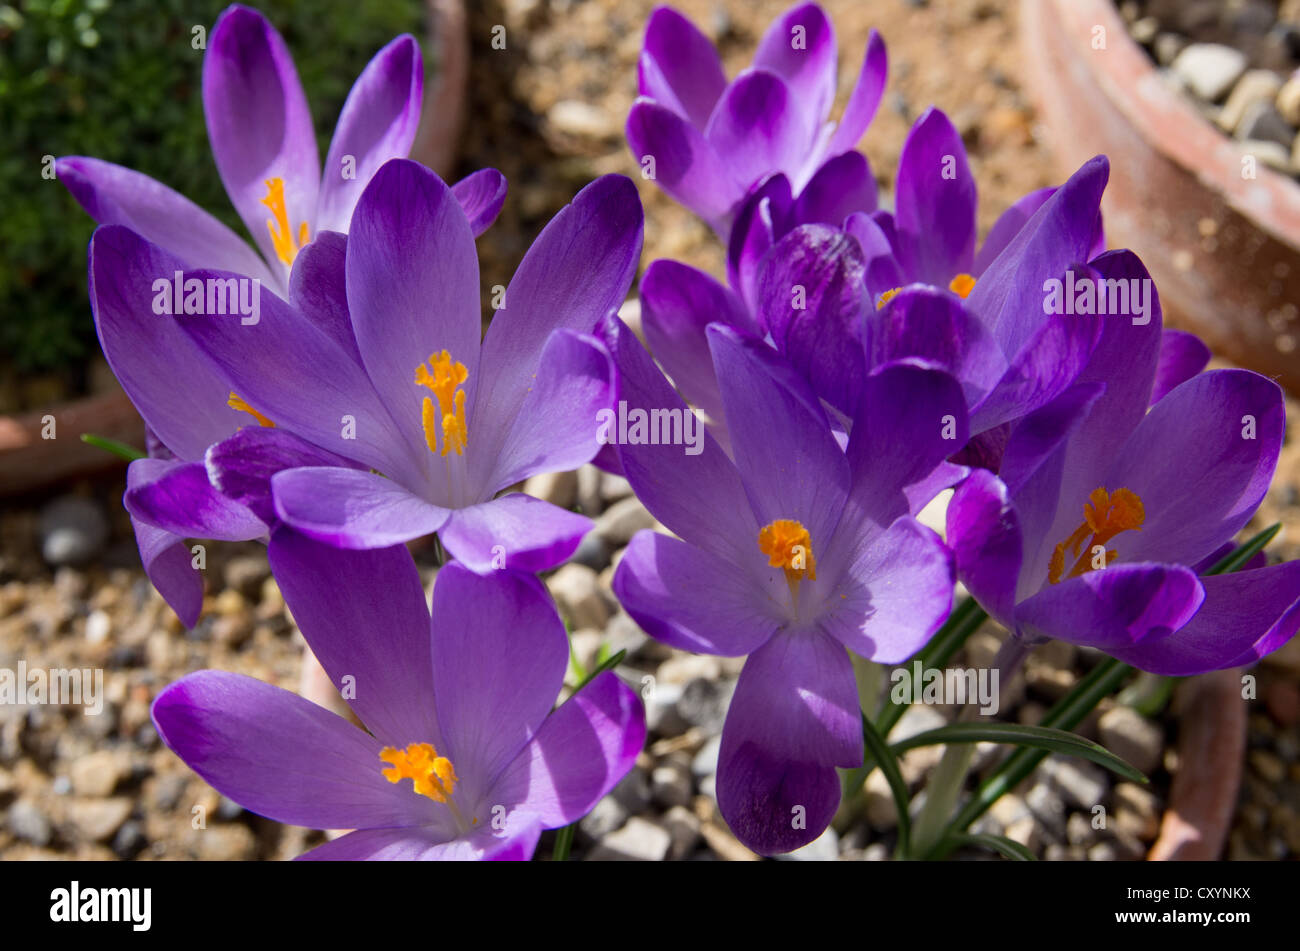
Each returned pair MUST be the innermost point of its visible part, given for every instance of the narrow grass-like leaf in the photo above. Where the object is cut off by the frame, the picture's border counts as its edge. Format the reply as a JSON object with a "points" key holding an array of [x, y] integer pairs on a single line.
{"points": [[120, 449], [888, 763], [1036, 737], [1000, 844]]}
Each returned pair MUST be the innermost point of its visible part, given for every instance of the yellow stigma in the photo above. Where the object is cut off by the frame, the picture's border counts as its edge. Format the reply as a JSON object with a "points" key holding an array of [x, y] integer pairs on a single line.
{"points": [[886, 297], [444, 382], [434, 776], [236, 402], [1105, 515], [962, 285], [281, 235], [788, 546]]}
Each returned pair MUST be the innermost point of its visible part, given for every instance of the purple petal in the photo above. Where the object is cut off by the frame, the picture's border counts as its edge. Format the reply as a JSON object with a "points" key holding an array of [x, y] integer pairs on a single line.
{"points": [[842, 186], [499, 657], [514, 531], [983, 531], [1246, 615], [762, 218], [910, 419], [1115, 607], [1009, 294], [281, 756], [481, 194], [692, 600], [679, 67], [697, 495], [865, 98], [555, 429], [168, 563], [258, 123], [352, 509], [1197, 468], [1009, 224], [177, 497], [791, 465], [896, 591], [758, 128], [577, 271], [178, 391], [935, 202], [1051, 361], [114, 195], [412, 285], [408, 845], [580, 753], [933, 325], [378, 123], [883, 272], [810, 290], [317, 289], [1182, 356], [364, 616], [240, 467], [677, 303], [799, 46], [684, 163], [794, 717], [299, 377]]}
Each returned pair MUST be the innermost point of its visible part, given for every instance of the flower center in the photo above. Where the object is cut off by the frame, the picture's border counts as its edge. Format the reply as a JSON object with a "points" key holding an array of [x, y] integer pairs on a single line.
{"points": [[236, 402], [433, 775], [962, 285], [1105, 515], [444, 382], [281, 235], [886, 297], [788, 546]]}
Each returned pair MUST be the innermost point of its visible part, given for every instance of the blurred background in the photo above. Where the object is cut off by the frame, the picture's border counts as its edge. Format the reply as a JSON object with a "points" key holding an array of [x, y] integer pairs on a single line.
{"points": [[119, 80]]}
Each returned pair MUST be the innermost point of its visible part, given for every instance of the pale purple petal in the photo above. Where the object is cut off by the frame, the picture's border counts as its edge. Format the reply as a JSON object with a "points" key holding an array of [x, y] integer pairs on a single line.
{"points": [[578, 755], [695, 601], [281, 756], [258, 124], [679, 67], [352, 509], [364, 616], [378, 123], [793, 718], [865, 98], [514, 531]]}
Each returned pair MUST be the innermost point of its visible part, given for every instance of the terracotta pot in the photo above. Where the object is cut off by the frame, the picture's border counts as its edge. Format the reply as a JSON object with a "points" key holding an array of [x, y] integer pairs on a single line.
{"points": [[28, 460], [1224, 249], [1211, 754]]}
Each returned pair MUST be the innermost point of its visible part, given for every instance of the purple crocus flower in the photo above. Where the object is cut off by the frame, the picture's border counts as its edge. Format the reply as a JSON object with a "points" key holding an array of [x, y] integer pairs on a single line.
{"points": [[818, 290], [264, 145], [192, 415], [794, 554], [929, 238], [462, 756], [1105, 513], [392, 346], [711, 141]]}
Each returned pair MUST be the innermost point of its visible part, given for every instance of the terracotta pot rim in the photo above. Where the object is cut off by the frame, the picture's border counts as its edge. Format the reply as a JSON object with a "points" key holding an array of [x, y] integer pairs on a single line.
{"points": [[1134, 86]]}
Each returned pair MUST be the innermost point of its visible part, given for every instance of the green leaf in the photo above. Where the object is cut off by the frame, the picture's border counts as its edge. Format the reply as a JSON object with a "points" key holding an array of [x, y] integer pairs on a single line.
{"points": [[1239, 556], [608, 664], [1036, 737], [563, 843], [888, 762], [996, 843], [129, 453]]}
